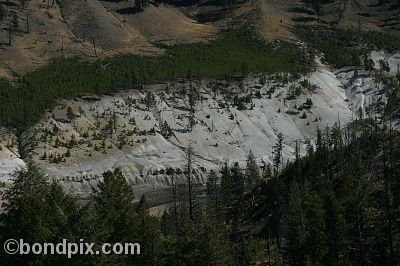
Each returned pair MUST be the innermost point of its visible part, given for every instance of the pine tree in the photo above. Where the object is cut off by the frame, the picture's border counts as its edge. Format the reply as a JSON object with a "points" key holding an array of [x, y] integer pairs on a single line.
{"points": [[203, 242], [316, 5], [237, 187], [213, 191], [113, 202], [226, 186], [15, 22], [70, 113], [368, 63], [296, 226], [336, 229], [149, 100], [384, 66], [2, 13], [189, 179], [267, 174], [252, 175], [192, 105], [139, 5], [166, 130], [116, 219], [148, 234], [307, 242], [357, 189], [38, 212], [277, 154]]}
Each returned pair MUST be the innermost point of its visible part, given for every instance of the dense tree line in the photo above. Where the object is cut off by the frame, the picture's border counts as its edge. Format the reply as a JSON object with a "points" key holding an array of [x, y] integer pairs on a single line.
{"points": [[344, 47], [238, 51], [40, 212], [338, 205]]}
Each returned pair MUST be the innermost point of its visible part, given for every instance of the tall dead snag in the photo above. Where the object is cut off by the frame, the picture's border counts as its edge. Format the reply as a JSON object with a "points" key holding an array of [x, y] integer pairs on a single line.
{"points": [[9, 35], [27, 23], [386, 156], [189, 180], [175, 193], [192, 103], [94, 47]]}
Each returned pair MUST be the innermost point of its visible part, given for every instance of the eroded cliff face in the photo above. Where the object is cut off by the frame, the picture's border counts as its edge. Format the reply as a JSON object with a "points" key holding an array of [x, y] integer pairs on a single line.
{"points": [[146, 132]]}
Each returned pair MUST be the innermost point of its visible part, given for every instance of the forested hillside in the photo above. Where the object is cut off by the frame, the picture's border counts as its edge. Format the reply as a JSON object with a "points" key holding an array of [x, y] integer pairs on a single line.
{"points": [[237, 52], [105, 104], [339, 205]]}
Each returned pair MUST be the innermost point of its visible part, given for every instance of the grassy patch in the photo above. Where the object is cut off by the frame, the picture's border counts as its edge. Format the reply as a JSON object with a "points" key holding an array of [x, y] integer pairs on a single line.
{"points": [[238, 51]]}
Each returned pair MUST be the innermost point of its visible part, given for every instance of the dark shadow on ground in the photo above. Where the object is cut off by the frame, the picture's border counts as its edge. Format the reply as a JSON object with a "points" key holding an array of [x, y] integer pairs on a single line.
{"points": [[129, 10]]}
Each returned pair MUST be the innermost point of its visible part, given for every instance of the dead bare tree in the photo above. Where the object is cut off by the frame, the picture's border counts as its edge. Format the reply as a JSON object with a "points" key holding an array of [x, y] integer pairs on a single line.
{"points": [[174, 192], [9, 35], [189, 179], [27, 22], [94, 47]]}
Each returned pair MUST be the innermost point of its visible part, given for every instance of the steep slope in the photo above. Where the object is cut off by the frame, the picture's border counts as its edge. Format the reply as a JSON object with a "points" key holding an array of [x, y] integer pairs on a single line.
{"points": [[164, 24], [119, 130], [47, 34], [91, 21], [9, 157], [88, 29], [148, 139]]}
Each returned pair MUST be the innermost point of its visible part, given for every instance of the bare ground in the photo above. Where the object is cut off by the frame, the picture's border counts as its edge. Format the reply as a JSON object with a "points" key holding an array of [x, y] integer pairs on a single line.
{"points": [[94, 28], [90, 29]]}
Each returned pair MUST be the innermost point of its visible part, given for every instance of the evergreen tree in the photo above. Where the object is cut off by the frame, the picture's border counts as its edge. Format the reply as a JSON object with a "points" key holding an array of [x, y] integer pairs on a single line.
{"points": [[356, 204], [38, 212], [267, 174], [70, 113], [148, 235], [189, 178], [116, 220], [336, 229], [213, 191], [201, 243], [277, 154], [316, 5], [2, 12], [306, 239], [226, 186], [192, 103], [15, 22], [113, 202], [252, 175], [296, 227], [384, 66], [149, 100]]}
